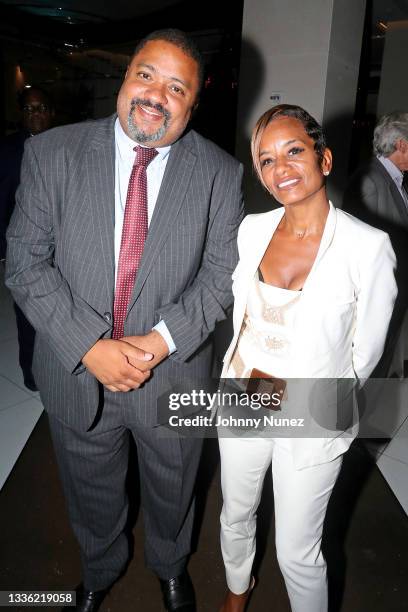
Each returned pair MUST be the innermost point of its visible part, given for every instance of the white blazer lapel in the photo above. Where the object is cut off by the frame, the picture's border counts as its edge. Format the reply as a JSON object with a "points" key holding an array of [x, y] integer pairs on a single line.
{"points": [[252, 243], [325, 242]]}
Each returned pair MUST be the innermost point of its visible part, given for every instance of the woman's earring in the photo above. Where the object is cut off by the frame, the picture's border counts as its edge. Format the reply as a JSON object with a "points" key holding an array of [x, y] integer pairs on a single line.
{"points": [[326, 172]]}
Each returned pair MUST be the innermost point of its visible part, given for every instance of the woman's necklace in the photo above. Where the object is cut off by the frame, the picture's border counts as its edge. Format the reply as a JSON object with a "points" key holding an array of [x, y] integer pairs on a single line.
{"points": [[300, 233]]}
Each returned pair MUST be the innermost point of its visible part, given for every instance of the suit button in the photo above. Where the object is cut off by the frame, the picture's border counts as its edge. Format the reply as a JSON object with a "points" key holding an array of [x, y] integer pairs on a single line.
{"points": [[108, 317]]}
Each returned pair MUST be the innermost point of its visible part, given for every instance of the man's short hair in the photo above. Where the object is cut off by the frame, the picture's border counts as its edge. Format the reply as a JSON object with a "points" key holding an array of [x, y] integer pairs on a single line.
{"points": [[179, 39], [390, 128]]}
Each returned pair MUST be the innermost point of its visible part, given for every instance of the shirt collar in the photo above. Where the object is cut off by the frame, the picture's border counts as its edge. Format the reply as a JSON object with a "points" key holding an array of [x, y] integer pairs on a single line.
{"points": [[394, 172], [126, 145]]}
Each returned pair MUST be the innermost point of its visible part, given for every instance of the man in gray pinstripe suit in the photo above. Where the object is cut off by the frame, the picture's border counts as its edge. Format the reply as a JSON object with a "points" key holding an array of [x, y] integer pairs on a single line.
{"points": [[64, 240]]}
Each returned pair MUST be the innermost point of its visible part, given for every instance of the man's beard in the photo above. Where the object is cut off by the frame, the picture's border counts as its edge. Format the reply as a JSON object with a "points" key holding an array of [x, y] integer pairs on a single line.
{"points": [[140, 135]]}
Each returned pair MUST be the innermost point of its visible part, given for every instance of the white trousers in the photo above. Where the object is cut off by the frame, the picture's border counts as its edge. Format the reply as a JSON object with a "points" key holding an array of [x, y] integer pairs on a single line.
{"points": [[300, 500]]}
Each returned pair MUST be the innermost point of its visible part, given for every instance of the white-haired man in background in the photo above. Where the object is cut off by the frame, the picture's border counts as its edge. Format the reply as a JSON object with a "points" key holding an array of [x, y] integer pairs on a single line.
{"points": [[377, 194]]}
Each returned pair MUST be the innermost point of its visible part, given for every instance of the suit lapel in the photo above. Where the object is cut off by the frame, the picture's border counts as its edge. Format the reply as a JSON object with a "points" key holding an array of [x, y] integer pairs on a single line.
{"points": [[101, 191], [396, 196], [262, 238], [325, 242], [255, 247], [399, 201], [171, 197]]}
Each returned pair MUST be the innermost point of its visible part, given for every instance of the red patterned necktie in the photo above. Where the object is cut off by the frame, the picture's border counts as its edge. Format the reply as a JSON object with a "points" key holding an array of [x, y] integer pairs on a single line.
{"points": [[134, 234]]}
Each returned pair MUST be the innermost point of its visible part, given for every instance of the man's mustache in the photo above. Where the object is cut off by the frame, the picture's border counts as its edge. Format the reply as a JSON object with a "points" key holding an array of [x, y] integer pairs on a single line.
{"points": [[142, 101]]}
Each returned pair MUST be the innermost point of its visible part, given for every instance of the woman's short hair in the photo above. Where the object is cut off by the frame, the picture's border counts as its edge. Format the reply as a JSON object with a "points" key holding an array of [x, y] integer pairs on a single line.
{"points": [[390, 128], [312, 129]]}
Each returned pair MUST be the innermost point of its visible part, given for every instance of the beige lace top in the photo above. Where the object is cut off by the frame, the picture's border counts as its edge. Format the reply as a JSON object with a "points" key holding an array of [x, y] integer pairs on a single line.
{"points": [[265, 339]]}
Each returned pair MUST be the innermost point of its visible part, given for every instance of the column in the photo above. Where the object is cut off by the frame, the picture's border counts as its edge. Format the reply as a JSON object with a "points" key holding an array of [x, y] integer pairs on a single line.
{"points": [[304, 53]]}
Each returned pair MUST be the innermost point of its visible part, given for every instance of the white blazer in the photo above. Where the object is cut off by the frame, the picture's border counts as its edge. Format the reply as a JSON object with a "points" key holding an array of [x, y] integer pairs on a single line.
{"points": [[342, 316]]}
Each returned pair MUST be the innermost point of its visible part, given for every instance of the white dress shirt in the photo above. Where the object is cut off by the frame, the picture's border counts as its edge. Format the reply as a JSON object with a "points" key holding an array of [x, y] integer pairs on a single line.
{"points": [[396, 175], [124, 160]]}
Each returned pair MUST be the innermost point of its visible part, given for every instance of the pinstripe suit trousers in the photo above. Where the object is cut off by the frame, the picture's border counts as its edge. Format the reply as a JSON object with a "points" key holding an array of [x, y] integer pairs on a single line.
{"points": [[93, 467]]}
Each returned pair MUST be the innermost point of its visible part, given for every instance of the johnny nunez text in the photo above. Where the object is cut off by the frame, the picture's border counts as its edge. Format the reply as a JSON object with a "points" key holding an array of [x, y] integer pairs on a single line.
{"points": [[230, 421]]}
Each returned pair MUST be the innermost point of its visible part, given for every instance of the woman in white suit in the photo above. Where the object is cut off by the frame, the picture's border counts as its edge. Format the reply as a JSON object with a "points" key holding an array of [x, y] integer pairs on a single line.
{"points": [[314, 291]]}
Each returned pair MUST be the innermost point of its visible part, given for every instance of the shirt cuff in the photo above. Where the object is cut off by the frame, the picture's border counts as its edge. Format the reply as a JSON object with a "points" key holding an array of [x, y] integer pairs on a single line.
{"points": [[161, 327]]}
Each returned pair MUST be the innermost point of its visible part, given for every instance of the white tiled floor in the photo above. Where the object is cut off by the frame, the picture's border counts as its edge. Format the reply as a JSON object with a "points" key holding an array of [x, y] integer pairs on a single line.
{"points": [[20, 409], [391, 415], [393, 464]]}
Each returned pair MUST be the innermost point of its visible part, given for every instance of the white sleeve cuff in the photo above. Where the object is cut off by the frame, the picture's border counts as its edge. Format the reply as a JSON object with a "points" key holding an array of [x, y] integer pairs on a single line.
{"points": [[161, 327]]}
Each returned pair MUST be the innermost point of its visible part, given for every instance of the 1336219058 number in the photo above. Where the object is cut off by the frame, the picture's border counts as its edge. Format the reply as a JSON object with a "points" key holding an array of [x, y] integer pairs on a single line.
{"points": [[36, 598]]}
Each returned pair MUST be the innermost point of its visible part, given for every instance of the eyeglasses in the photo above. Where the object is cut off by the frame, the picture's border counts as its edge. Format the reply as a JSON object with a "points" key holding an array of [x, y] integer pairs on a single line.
{"points": [[35, 108]]}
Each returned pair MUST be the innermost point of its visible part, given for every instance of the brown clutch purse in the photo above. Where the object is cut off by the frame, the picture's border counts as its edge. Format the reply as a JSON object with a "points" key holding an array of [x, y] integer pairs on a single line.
{"points": [[261, 382]]}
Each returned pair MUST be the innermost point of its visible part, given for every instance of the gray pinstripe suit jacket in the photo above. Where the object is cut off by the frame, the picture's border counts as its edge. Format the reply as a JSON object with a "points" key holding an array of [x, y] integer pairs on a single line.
{"points": [[60, 263]]}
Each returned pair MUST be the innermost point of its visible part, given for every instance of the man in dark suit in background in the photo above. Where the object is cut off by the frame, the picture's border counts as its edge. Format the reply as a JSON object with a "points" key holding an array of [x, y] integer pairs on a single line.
{"points": [[376, 193], [76, 241], [37, 114]]}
